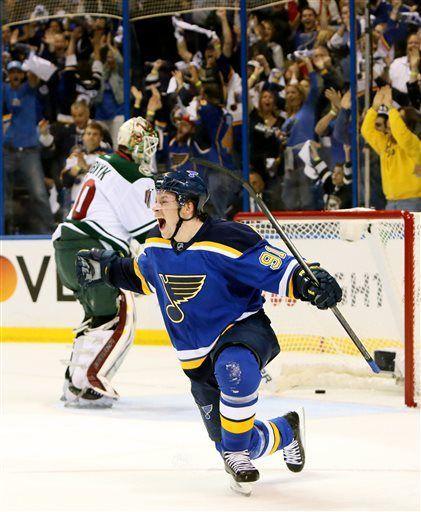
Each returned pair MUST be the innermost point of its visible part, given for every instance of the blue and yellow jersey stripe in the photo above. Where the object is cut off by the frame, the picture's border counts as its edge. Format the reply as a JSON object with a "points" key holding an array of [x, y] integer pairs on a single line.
{"points": [[286, 287], [223, 249], [145, 287], [193, 363], [226, 250], [192, 359], [157, 242]]}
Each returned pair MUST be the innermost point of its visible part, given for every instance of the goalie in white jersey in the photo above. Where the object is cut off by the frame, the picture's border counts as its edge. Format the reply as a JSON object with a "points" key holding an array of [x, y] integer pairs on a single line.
{"points": [[112, 208]]}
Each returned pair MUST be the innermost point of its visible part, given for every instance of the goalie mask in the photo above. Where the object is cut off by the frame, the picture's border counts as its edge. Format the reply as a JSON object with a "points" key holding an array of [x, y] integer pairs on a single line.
{"points": [[141, 140]]}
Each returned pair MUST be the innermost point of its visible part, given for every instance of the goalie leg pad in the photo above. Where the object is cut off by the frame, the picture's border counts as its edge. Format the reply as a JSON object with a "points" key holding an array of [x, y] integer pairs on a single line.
{"points": [[112, 355], [100, 351]]}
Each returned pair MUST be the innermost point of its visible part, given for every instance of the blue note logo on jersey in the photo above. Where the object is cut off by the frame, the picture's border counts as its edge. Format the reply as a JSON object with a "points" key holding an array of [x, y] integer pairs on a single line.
{"points": [[207, 409], [179, 289]]}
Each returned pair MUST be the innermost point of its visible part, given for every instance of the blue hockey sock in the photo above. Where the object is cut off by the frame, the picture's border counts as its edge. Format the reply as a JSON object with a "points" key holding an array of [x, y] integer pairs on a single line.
{"points": [[270, 436], [258, 440], [238, 375]]}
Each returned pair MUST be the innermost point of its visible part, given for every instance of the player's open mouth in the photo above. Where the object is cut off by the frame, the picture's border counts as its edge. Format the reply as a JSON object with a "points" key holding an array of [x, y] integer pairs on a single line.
{"points": [[161, 223]]}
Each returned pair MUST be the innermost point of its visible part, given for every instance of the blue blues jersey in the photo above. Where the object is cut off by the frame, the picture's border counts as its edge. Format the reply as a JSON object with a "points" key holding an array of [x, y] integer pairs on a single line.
{"points": [[206, 285], [218, 124], [23, 104], [300, 126]]}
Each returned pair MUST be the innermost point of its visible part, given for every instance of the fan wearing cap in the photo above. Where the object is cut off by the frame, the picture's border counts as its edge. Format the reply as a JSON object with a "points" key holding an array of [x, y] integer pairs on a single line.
{"points": [[113, 208], [22, 159], [208, 276]]}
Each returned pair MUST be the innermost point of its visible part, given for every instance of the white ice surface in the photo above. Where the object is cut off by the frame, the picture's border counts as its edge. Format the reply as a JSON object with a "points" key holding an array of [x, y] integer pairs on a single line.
{"points": [[151, 452]]}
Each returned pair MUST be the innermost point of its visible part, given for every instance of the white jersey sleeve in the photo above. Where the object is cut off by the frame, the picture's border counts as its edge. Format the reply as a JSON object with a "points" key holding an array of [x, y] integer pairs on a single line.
{"points": [[133, 207]]}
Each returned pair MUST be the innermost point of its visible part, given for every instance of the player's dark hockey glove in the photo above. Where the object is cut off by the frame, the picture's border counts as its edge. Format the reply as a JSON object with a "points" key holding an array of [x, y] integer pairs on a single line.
{"points": [[93, 266], [324, 296]]}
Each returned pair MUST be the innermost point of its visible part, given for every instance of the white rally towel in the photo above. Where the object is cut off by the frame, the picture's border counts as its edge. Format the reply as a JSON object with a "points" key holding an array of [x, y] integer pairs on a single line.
{"points": [[183, 25], [40, 67], [304, 154]]}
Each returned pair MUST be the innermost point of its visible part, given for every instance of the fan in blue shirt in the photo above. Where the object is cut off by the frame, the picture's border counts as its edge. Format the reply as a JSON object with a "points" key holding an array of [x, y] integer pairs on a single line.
{"points": [[22, 160]]}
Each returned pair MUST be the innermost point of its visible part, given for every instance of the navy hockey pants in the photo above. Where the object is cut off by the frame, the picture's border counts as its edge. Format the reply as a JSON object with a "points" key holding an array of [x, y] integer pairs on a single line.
{"points": [[255, 333]]}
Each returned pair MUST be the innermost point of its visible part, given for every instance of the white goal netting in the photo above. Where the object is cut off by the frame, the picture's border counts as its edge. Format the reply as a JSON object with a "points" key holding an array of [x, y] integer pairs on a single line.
{"points": [[19, 11], [371, 258]]}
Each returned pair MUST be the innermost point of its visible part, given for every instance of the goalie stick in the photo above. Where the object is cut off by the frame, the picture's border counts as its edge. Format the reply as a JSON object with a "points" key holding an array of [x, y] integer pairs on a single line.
{"points": [[294, 251]]}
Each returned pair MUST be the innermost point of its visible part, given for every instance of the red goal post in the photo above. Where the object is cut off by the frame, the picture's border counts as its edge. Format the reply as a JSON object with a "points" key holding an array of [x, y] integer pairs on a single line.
{"points": [[375, 255]]}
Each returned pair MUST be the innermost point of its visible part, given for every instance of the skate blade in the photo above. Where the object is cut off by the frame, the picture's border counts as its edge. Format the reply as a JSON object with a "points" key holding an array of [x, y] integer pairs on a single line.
{"points": [[76, 404], [244, 489]]}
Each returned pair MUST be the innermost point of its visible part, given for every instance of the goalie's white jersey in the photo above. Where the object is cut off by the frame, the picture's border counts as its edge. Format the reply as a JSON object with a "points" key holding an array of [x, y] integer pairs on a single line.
{"points": [[114, 203]]}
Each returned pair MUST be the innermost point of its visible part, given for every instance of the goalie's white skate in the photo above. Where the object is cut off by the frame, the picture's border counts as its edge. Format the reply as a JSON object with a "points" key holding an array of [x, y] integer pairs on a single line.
{"points": [[87, 398]]}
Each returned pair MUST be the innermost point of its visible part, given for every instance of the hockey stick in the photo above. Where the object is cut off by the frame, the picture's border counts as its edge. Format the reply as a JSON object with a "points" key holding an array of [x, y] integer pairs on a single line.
{"points": [[294, 251]]}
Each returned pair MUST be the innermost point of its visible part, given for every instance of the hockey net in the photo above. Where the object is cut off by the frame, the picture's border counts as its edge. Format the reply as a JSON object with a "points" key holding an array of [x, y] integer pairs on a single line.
{"points": [[375, 256]]}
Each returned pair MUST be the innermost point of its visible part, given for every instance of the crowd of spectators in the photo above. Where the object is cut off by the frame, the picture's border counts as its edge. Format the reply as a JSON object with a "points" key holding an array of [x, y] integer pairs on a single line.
{"points": [[63, 102]]}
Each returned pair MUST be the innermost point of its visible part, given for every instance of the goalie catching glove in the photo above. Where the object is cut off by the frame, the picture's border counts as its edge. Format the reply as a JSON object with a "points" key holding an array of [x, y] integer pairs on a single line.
{"points": [[92, 266], [326, 295]]}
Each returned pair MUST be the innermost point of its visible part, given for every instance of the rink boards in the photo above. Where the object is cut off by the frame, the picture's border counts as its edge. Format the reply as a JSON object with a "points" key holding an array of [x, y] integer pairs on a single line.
{"points": [[35, 306]]}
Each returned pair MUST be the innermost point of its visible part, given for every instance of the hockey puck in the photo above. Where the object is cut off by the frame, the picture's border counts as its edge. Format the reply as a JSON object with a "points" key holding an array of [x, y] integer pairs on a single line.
{"points": [[320, 391]]}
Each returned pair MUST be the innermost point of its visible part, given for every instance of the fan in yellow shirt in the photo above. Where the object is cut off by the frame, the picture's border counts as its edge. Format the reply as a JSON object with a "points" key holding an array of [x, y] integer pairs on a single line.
{"points": [[399, 149]]}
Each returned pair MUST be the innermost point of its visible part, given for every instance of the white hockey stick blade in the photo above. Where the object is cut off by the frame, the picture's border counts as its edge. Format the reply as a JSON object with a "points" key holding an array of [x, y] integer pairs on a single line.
{"points": [[244, 489]]}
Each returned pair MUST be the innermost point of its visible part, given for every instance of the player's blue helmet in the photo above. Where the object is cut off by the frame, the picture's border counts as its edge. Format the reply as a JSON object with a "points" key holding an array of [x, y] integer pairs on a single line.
{"points": [[186, 185]]}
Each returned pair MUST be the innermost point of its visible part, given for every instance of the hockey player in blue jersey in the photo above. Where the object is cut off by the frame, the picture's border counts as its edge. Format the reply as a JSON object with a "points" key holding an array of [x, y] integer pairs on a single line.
{"points": [[208, 276]]}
